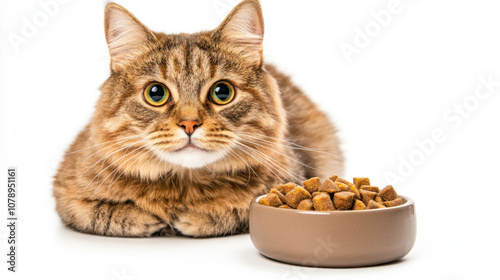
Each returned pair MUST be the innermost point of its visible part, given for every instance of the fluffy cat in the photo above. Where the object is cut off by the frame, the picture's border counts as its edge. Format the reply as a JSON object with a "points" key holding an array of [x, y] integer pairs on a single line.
{"points": [[189, 128]]}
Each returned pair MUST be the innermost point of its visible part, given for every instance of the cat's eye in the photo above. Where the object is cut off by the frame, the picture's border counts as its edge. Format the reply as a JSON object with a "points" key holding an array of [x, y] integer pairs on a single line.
{"points": [[221, 93], [156, 94]]}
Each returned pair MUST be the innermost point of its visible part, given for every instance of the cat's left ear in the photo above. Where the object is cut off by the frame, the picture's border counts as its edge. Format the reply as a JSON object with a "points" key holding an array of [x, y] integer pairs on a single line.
{"points": [[243, 28], [126, 36]]}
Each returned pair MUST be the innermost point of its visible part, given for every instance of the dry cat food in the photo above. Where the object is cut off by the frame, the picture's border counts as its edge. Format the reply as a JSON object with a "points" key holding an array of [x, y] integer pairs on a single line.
{"points": [[333, 194]]}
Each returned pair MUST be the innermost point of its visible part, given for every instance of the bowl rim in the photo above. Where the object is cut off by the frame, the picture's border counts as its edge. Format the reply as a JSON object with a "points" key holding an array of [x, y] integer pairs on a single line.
{"points": [[408, 203]]}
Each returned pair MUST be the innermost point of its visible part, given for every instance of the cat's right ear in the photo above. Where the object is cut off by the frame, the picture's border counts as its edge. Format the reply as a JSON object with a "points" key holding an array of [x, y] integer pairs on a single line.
{"points": [[126, 35], [243, 28]]}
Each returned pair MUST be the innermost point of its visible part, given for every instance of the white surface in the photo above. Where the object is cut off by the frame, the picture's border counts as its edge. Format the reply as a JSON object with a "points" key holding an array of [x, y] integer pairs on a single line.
{"points": [[428, 58]]}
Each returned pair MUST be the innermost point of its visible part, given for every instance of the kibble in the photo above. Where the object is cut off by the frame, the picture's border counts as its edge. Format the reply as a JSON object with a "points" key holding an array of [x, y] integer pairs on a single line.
{"points": [[358, 205], [312, 185], [306, 204], [329, 186], [366, 196], [314, 194], [281, 196], [355, 191], [271, 200], [333, 194], [395, 202], [361, 181], [323, 202], [334, 178], [295, 196], [343, 187], [374, 205], [284, 189], [370, 188], [343, 200], [388, 193]]}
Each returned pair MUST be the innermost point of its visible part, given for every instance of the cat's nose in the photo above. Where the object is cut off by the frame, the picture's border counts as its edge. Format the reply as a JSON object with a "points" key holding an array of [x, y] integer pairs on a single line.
{"points": [[189, 126]]}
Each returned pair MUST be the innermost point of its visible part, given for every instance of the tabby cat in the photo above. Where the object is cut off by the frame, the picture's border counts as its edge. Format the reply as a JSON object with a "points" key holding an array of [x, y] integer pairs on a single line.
{"points": [[189, 128]]}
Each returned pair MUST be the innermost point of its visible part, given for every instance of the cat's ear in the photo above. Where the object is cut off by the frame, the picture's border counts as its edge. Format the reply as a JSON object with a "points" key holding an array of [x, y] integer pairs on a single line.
{"points": [[126, 36], [244, 29]]}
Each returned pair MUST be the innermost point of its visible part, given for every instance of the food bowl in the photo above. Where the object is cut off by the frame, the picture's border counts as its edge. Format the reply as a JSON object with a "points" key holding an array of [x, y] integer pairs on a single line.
{"points": [[350, 238]]}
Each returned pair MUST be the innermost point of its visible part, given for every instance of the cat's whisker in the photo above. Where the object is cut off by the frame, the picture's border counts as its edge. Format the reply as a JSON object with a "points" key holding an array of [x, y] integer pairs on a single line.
{"points": [[267, 136], [106, 156], [291, 158], [291, 144], [137, 156], [121, 139], [276, 165], [102, 170], [125, 169], [271, 168], [150, 169], [282, 167], [153, 155], [249, 166], [260, 136], [224, 157], [157, 168], [105, 148], [117, 168]]}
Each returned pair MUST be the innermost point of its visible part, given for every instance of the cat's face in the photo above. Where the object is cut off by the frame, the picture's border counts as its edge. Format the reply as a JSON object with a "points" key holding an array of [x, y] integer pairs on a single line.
{"points": [[189, 100]]}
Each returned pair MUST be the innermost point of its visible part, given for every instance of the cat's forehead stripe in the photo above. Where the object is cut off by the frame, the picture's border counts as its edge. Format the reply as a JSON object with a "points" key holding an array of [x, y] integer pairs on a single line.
{"points": [[188, 66], [187, 58], [164, 69]]}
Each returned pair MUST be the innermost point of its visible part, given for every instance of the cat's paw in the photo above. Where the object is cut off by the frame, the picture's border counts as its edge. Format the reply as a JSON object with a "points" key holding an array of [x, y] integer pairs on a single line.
{"points": [[138, 223], [195, 224], [144, 228], [166, 231], [155, 229]]}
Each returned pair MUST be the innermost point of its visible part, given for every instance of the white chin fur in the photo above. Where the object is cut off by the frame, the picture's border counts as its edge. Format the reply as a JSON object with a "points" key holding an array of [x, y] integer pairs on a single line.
{"points": [[191, 158]]}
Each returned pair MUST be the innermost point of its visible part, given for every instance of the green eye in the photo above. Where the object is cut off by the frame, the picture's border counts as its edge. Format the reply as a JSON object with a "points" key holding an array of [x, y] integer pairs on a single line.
{"points": [[156, 94], [222, 93]]}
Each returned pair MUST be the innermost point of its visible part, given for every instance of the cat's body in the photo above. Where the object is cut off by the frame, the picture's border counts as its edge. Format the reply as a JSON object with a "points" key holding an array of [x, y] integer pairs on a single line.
{"points": [[189, 166]]}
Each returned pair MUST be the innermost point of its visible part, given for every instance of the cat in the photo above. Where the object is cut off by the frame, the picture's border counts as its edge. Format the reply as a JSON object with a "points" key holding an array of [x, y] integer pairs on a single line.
{"points": [[189, 128]]}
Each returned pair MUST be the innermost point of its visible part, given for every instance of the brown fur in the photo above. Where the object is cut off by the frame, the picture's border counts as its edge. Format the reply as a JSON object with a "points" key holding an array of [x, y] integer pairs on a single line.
{"points": [[112, 180]]}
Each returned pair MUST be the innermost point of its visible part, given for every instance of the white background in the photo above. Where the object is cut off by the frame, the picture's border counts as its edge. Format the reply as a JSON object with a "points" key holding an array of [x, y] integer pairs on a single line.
{"points": [[428, 58]]}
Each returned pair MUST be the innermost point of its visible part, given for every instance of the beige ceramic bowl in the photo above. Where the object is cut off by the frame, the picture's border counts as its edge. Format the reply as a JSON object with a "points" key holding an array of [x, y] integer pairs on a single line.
{"points": [[334, 238]]}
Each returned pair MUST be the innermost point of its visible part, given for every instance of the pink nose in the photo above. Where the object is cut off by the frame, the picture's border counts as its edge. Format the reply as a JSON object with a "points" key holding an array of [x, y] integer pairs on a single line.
{"points": [[189, 126]]}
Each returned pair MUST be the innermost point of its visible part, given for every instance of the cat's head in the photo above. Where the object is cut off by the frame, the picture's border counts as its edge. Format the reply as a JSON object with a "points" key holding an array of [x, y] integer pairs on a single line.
{"points": [[187, 100]]}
